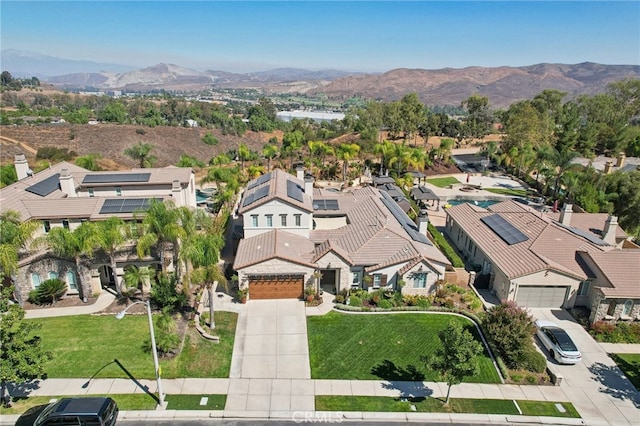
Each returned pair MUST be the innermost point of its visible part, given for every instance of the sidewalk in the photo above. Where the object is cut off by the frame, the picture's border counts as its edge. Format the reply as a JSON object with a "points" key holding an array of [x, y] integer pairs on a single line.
{"points": [[620, 348], [306, 389]]}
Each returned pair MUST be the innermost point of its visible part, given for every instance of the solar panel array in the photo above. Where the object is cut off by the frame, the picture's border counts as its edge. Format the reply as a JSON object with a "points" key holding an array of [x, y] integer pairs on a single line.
{"points": [[505, 230], [116, 177], [255, 196], [325, 205], [587, 235], [294, 191], [404, 220], [45, 187], [126, 205], [262, 179]]}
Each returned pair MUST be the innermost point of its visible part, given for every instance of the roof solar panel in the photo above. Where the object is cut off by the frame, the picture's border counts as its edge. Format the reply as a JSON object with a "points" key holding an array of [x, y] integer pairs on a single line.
{"points": [[116, 177], [404, 220], [126, 205], [248, 199], [294, 191], [46, 186], [260, 193], [325, 205], [505, 230]]}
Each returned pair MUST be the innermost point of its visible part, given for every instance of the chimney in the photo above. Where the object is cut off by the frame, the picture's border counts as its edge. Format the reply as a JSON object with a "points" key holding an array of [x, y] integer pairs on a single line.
{"points": [[67, 185], [607, 167], [610, 227], [423, 222], [300, 172], [565, 214], [176, 193], [308, 185], [22, 166], [621, 158]]}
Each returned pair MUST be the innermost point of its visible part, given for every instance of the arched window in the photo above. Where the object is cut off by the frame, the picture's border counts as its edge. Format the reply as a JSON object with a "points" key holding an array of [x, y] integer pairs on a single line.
{"points": [[53, 275], [612, 308], [628, 306], [35, 279], [71, 281]]}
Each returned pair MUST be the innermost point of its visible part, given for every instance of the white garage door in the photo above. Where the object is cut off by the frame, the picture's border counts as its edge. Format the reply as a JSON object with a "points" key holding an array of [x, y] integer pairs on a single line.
{"points": [[541, 296]]}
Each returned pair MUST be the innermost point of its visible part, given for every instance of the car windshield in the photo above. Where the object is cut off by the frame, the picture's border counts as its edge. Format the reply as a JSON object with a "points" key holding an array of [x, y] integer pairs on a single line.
{"points": [[564, 341]]}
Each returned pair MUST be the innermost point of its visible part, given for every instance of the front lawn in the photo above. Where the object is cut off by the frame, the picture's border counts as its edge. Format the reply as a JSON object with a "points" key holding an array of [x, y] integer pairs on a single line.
{"points": [[382, 346], [443, 182], [101, 346], [630, 366]]}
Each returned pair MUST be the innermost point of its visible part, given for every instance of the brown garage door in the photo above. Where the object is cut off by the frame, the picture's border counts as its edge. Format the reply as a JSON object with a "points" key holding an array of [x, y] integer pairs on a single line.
{"points": [[276, 287]]}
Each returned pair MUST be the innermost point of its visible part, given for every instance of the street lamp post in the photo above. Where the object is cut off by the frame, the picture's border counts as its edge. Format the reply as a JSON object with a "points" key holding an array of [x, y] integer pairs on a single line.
{"points": [[121, 315]]}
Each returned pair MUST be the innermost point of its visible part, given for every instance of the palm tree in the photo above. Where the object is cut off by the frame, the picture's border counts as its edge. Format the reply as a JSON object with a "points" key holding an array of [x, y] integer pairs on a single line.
{"points": [[111, 236], [347, 152], [75, 245], [142, 153], [243, 154], [161, 227], [15, 236], [137, 276], [385, 149], [563, 161], [401, 157], [269, 152]]}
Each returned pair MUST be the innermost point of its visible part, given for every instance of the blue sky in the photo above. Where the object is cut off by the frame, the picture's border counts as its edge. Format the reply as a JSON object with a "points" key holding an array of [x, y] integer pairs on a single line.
{"points": [[352, 36]]}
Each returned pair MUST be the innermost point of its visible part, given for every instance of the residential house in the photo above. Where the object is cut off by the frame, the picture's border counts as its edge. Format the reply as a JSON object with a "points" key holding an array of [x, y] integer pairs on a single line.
{"points": [[65, 195], [549, 260], [296, 236]]}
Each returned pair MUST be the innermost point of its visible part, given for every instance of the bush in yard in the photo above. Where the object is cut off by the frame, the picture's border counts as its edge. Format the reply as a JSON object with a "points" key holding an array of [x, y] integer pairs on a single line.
{"points": [[511, 330], [50, 291], [384, 304], [166, 338], [531, 360], [355, 301], [423, 302], [340, 298], [164, 293]]}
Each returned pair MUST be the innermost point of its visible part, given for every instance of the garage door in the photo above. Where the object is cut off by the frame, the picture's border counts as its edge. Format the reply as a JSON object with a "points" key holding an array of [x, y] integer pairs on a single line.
{"points": [[541, 296], [276, 287]]}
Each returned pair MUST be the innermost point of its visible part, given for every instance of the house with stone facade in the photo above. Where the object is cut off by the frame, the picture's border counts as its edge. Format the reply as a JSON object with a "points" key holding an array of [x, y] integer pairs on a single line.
{"points": [[296, 235], [65, 195], [550, 260]]}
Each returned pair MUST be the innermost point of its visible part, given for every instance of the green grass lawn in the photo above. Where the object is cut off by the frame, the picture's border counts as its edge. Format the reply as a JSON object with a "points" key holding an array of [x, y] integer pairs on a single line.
{"points": [[389, 347], [504, 191], [101, 346], [192, 402], [443, 182], [630, 366], [436, 405]]}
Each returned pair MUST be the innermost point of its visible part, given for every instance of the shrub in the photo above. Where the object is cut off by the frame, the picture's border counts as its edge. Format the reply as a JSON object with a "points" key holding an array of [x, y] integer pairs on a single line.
{"points": [[511, 329], [164, 293], [166, 338], [141, 131], [50, 291], [444, 246], [532, 380], [384, 304], [355, 301], [423, 302], [516, 378], [532, 360], [602, 327], [340, 298], [209, 139]]}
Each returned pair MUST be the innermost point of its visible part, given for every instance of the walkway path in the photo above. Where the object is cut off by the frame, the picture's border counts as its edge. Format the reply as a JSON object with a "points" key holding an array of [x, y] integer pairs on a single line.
{"points": [[104, 300]]}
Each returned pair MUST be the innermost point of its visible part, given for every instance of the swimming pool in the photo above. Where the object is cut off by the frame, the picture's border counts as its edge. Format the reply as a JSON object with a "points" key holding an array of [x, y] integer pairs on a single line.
{"points": [[480, 203]]}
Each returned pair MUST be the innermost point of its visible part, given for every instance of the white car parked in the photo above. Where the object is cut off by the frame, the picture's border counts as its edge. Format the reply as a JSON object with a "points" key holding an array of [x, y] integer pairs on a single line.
{"points": [[557, 342]]}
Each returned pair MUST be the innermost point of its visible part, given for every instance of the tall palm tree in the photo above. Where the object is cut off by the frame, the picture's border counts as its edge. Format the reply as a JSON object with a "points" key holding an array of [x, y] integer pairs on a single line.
{"points": [[244, 153], [161, 228], [15, 236], [137, 276], [141, 152], [77, 244], [110, 238], [385, 149], [269, 151], [563, 161], [347, 152]]}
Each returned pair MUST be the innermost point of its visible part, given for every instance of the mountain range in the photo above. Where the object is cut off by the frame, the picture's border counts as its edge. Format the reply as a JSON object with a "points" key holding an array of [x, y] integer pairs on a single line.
{"points": [[448, 86]]}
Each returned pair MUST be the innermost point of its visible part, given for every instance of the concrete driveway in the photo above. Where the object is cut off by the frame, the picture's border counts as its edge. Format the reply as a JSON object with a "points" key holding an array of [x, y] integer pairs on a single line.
{"points": [[595, 386], [274, 342]]}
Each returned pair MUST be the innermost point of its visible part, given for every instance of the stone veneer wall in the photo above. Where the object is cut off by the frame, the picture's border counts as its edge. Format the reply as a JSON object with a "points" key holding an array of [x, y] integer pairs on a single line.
{"points": [[600, 307]]}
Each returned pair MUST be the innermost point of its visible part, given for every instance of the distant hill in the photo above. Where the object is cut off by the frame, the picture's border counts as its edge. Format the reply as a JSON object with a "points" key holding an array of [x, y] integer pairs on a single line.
{"points": [[447, 86], [502, 85], [29, 64]]}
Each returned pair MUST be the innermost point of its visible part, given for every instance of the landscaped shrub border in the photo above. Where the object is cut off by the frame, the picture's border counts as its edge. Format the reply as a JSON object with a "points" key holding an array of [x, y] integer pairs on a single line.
{"points": [[441, 242]]}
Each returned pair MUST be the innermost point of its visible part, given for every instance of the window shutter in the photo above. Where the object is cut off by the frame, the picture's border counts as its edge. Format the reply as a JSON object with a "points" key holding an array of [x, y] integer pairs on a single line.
{"points": [[383, 280]]}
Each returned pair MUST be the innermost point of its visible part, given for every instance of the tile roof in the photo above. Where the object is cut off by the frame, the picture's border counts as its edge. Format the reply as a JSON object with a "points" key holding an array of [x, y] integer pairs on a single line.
{"points": [[272, 244], [548, 247], [275, 183], [621, 268], [590, 222]]}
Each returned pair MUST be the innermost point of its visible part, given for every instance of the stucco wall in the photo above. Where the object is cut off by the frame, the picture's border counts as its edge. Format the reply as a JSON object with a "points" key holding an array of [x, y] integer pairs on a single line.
{"points": [[276, 208]]}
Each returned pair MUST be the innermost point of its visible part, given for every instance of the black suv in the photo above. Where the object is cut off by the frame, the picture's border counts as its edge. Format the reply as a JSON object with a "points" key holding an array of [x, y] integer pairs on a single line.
{"points": [[92, 411]]}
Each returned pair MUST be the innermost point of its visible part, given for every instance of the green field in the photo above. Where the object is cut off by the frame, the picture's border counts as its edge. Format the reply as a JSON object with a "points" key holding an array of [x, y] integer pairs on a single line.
{"points": [[375, 346], [101, 346]]}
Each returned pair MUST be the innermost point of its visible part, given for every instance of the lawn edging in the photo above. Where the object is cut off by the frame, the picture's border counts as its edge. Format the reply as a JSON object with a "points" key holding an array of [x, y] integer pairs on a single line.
{"points": [[431, 310]]}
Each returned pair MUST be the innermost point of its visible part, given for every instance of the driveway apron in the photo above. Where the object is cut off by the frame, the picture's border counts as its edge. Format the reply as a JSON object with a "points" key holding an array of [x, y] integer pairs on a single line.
{"points": [[595, 386], [270, 368]]}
